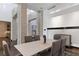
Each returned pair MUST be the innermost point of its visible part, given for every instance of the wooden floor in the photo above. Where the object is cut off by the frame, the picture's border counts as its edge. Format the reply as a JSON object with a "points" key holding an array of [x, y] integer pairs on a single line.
{"points": [[73, 49]]}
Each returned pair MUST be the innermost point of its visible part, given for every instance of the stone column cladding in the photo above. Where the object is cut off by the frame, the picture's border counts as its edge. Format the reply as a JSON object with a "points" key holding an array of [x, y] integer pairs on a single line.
{"points": [[21, 23]]}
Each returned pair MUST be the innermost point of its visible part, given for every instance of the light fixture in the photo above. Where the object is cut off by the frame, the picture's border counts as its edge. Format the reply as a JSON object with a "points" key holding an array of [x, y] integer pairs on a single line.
{"points": [[31, 11], [64, 8], [52, 7], [55, 11]]}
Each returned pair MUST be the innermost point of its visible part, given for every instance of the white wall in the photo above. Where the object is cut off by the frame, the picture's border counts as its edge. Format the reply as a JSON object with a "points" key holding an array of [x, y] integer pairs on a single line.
{"points": [[46, 19], [5, 15], [70, 19], [6, 11]]}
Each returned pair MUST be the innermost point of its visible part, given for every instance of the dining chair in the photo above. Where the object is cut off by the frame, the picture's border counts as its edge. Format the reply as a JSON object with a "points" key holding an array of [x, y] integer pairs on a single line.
{"points": [[36, 37], [55, 49], [9, 51], [57, 36], [62, 49], [6, 50], [28, 39]]}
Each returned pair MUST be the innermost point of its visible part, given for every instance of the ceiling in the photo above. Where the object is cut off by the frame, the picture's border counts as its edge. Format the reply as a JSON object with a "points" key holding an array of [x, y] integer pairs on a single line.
{"points": [[53, 9], [48, 6]]}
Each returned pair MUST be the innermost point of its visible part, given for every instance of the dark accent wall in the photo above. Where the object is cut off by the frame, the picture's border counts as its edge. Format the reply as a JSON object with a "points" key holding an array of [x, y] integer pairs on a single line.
{"points": [[56, 28]]}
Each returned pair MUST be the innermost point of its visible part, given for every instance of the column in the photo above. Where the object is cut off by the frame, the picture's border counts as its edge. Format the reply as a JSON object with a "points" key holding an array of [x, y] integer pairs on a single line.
{"points": [[21, 23], [40, 22]]}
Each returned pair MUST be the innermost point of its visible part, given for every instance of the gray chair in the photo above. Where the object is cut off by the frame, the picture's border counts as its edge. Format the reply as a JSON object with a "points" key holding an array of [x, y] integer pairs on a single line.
{"points": [[57, 36], [6, 50], [36, 37], [28, 39], [32, 38], [63, 43], [9, 51], [55, 49]]}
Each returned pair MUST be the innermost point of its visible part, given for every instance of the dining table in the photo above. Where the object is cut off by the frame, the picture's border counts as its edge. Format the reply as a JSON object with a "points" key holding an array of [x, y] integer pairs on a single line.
{"points": [[34, 47]]}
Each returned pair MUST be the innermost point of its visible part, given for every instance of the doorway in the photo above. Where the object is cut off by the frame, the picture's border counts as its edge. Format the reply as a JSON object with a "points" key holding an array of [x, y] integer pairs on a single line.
{"points": [[33, 26]]}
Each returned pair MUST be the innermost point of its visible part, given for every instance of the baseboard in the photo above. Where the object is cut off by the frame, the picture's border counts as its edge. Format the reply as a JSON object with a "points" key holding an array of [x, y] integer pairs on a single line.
{"points": [[71, 47], [68, 46], [74, 47]]}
